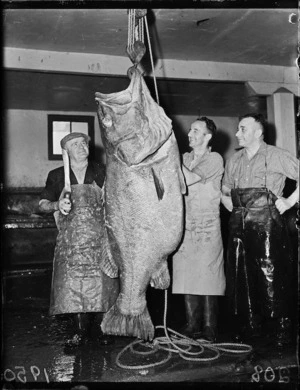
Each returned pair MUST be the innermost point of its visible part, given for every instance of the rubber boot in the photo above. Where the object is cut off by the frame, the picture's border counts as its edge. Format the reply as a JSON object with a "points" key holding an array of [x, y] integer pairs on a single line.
{"points": [[102, 338], [210, 314], [81, 323], [193, 308]]}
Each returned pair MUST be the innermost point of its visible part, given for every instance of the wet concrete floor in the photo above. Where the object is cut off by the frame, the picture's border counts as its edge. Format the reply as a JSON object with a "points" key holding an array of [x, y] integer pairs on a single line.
{"points": [[34, 352]]}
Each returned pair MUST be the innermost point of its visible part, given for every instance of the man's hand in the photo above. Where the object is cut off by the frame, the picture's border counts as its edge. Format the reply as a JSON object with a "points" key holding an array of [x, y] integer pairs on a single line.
{"points": [[226, 198], [227, 202], [64, 206], [283, 204]]}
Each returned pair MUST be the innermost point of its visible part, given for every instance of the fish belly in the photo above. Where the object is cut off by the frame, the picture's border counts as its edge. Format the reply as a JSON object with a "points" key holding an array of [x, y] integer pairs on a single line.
{"points": [[143, 230]]}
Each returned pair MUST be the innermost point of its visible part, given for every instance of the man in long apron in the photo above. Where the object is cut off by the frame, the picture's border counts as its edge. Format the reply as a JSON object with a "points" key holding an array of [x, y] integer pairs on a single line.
{"points": [[79, 285], [198, 264], [258, 272]]}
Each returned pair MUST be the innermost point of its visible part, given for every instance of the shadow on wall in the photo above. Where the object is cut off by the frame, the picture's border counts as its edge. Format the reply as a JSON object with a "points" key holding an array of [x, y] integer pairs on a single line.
{"points": [[270, 134], [181, 136], [221, 143], [99, 154]]}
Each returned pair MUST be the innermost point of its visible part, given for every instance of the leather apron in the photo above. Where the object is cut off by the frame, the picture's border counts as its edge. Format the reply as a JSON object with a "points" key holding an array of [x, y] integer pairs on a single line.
{"points": [[259, 257], [198, 265], [78, 284]]}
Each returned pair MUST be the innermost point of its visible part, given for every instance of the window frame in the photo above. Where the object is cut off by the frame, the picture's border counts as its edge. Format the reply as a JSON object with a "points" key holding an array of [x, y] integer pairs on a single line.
{"points": [[89, 119]]}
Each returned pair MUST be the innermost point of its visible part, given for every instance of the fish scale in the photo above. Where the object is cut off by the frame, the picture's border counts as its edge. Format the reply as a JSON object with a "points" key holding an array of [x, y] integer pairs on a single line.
{"points": [[143, 201]]}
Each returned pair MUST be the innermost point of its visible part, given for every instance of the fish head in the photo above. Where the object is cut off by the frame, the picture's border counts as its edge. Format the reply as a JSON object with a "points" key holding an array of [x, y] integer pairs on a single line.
{"points": [[120, 116], [112, 122], [106, 118], [132, 124]]}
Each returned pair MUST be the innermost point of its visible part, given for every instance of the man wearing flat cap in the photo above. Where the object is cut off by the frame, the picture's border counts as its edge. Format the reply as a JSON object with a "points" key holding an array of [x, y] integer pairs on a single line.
{"points": [[79, 285]]}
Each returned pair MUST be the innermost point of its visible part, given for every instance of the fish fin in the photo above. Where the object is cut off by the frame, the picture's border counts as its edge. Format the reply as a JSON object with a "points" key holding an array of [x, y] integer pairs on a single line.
{"points": [[159, 186], [107, 263], [116, 323], [181, 181], [161, 278]]}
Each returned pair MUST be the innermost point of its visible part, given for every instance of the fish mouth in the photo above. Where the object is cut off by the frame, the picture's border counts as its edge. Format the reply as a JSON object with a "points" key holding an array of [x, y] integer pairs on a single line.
{"points": [[121, 97]]}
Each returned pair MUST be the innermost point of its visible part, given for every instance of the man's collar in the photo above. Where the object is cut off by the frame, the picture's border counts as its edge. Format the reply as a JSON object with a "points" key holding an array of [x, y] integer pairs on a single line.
{"points": [[261, 150], [202, 155]]}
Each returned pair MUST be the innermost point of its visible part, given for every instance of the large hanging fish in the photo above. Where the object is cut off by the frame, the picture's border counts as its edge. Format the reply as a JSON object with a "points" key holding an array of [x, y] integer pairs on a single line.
{"points": [[143, 201]]}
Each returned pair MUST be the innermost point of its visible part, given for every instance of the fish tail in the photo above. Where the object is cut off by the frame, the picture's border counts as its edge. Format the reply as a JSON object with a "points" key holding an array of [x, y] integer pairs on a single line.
{"points": [[116, 323]]}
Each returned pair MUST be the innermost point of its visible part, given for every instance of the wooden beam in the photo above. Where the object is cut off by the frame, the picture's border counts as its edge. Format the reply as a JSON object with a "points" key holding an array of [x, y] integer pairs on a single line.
{"points": [[259, 76]]}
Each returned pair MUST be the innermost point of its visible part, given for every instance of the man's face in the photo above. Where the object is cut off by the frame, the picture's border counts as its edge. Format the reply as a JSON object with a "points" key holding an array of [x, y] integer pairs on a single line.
{"points": [[197, 134], [248, 132], [78, 149]]}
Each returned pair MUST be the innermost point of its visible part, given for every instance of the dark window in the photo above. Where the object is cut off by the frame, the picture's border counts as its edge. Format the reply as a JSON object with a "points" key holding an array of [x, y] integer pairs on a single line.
{"points": [[61, 125]]}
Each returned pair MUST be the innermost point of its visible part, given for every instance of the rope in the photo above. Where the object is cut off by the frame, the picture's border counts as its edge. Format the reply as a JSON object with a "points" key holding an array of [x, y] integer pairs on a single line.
{"points": [[177, 341], [136, 33], [151, 58], [129, 28]]}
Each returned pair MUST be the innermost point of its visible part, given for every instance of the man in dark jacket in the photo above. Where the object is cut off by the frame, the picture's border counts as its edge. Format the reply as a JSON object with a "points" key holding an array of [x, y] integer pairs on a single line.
{"points": [[79, 285]]}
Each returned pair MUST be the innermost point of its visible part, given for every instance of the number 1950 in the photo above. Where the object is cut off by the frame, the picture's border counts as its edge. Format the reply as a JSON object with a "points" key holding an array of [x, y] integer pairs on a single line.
{"points": [[20, 374]]}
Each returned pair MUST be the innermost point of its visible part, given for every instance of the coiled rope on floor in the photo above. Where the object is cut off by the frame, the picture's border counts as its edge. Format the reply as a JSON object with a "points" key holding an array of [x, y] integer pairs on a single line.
{"points": [[179, 344]]}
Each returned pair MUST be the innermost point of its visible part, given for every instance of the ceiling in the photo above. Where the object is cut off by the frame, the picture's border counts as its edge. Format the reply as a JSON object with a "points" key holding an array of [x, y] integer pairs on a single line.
{"points": [[254, 36]]}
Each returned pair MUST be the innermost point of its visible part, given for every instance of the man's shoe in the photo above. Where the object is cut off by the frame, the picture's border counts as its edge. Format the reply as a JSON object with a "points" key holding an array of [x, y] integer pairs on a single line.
{"points": [[188, 330], [209, 333]]}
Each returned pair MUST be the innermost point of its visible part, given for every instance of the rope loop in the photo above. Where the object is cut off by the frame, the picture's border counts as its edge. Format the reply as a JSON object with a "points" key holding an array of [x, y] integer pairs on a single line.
{"points": [[187, 348]]}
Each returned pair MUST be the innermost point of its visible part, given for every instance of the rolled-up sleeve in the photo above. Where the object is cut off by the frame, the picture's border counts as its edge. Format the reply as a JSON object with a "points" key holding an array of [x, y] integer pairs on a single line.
{"points": [[289, 165], [210, 168], [228, 180]]}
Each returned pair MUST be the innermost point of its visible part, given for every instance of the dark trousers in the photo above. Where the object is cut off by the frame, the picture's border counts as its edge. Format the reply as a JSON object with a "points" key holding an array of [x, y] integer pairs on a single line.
{"points": [[259, 258]]}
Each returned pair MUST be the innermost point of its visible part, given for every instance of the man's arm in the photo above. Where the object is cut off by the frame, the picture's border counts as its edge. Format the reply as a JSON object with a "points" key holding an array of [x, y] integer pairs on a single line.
{"points": [[226, 198], [47, 206], [49, 202], [290, 168], [284, 204], [63, 205], [190, 177]]}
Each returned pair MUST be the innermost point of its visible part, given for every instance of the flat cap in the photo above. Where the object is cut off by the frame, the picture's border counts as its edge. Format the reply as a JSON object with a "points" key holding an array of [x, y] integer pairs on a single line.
{"points": [[70, 136]]}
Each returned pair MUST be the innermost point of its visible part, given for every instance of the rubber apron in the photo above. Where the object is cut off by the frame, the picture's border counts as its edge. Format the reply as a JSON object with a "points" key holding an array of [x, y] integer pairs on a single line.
{"points": [[259, 256], [78, 283]]}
